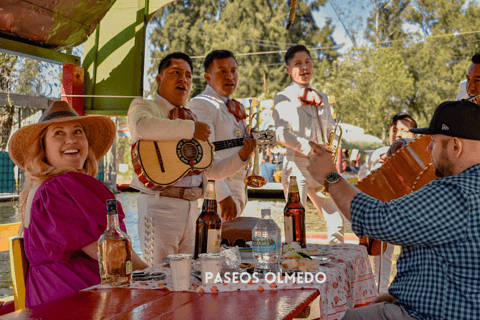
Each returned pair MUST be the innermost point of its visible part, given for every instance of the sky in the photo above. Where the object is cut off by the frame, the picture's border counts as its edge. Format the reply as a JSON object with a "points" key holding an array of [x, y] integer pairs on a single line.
{"points": [[339, 33]]}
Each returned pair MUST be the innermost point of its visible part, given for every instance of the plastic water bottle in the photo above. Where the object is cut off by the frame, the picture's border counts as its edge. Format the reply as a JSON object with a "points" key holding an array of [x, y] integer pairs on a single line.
{"points": [[266, 244]]}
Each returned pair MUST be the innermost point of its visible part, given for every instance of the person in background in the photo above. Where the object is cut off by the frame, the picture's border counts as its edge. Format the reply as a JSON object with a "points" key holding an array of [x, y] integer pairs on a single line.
{"points": [[226, 118], [346, 166], [267, 169], [354, 165], [400, 135], [63, 208], [438, 275], [473, 79], [301, 115], [167, 216], [400, 126]]}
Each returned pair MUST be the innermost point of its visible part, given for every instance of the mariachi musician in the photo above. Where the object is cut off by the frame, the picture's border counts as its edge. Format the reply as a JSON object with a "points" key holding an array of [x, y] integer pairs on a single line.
{"points": [[166, 217]]}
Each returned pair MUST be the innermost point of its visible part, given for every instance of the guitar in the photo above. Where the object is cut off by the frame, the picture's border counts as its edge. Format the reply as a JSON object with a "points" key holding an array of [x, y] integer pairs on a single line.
{"points": [[159, 164]]}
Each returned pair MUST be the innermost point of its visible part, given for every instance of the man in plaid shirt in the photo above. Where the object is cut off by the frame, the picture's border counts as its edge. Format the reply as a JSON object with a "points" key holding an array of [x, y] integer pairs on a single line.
{"points": [[438, 226]]}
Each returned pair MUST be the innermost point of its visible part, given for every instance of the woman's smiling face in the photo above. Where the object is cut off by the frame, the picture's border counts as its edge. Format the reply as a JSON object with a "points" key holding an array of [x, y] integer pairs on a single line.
{"points": [[66, 145]]}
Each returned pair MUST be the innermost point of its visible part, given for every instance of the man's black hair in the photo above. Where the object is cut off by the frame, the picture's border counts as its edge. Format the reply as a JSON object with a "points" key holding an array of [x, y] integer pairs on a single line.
{"points": [[292, 50], [217, 54], [476, 58], [167, 61], [402, 116]]}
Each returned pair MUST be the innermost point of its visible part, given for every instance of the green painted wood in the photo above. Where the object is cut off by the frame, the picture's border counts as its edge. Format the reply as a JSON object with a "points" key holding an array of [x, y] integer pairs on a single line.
{"points": [[114, 56], [36, 52]]}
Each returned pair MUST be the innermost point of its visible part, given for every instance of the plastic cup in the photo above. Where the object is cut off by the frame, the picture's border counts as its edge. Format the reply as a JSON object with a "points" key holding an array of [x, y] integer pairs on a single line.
{"points": [[181, 267], [210, 266]]}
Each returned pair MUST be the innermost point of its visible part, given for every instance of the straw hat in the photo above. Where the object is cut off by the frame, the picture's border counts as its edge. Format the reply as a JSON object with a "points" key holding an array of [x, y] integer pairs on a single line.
{"points": [[99, 130]]}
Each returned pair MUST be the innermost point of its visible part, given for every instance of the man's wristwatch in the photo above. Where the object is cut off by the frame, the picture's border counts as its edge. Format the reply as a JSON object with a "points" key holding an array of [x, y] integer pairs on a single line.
{"points": [[332, 177]]}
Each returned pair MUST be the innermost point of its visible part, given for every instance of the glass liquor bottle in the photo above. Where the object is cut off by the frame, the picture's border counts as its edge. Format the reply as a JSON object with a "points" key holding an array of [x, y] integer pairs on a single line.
{"points": [[209, 224], [114, 251], [294, 216]]}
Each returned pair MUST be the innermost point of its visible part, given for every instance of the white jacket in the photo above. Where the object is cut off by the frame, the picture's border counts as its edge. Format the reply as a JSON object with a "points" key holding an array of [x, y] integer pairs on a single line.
{"points": [[210, 107], [148, 120], [297, 124]]}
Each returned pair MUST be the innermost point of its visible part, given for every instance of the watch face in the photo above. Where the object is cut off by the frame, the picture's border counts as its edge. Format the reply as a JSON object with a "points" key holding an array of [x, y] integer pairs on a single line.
{"points": [[333, 177]]}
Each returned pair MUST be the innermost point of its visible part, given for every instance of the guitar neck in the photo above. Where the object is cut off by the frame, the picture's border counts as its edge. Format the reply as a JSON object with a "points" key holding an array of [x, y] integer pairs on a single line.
{"points": [[226, 144]]}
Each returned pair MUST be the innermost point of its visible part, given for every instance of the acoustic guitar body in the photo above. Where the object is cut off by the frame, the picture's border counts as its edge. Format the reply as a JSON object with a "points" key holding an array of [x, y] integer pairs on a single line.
{"points": [[159, 164], [163, 163]]}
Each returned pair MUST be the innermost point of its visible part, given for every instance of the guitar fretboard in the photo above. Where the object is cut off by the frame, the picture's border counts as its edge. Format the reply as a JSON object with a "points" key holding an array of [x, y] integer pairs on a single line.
{"points": [[220, 145]]}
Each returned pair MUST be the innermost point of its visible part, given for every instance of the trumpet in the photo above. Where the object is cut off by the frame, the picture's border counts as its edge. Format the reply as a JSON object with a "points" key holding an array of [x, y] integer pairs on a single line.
{"points": [[255, 180], [334, 139]]}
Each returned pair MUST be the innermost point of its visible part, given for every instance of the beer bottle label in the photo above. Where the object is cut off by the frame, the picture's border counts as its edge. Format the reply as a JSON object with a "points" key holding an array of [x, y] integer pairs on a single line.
{"points": [[289, 229], [213, 241], [128, 267]]}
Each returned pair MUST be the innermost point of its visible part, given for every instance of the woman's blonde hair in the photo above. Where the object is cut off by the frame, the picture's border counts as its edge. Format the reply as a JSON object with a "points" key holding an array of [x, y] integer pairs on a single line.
{"points": [[38, 170]]}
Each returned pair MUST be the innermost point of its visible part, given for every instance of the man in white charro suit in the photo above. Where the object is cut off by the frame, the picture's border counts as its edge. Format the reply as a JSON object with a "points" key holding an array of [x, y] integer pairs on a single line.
{"points": [[226, 118], [166, 218], [301, 114]]}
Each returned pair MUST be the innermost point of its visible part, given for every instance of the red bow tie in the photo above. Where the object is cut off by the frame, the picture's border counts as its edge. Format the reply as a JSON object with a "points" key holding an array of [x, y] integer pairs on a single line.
{"points": [[181, 113], [309, 96], [237, 109]]}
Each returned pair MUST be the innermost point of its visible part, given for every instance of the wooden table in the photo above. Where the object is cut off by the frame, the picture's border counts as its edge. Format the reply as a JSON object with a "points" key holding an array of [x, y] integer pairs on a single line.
{"points": [[144, 304]]}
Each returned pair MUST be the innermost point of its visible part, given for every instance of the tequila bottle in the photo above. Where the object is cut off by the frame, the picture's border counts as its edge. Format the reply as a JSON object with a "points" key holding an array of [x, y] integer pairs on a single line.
{"points": [[114, 251]]}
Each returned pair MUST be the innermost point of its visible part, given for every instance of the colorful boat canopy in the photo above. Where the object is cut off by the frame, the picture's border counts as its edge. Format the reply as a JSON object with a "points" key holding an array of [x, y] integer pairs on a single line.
{"points": [[51, 24]]}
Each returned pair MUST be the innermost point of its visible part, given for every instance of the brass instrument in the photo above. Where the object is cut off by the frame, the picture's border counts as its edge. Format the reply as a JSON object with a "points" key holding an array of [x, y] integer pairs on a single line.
{"points": [[334, 140], [255, 180]]}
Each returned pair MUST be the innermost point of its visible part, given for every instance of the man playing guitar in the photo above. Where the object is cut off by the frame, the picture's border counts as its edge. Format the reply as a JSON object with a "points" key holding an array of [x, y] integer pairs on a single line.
{"points": [[166, 218]]}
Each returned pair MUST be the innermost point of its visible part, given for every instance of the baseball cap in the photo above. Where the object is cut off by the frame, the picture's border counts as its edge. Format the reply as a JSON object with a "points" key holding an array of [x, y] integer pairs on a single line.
{"points": [[459, 119]]}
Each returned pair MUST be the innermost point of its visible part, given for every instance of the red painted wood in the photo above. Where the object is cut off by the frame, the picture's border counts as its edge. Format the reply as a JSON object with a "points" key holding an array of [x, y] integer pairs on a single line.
{"points": [[140, 304], [73, 83]]}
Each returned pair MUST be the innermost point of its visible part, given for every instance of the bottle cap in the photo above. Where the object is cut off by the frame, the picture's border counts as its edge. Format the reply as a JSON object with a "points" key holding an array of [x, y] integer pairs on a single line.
{"points": [[111, 206], [265, 213]]}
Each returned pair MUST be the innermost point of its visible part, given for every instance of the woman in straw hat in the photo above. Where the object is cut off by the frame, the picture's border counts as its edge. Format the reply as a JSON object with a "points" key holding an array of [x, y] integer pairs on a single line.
{"points": [[63, 207]]}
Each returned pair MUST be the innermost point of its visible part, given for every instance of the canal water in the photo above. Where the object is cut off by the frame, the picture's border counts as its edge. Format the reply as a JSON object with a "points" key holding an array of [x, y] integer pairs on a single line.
{"points": [[8, 211]]}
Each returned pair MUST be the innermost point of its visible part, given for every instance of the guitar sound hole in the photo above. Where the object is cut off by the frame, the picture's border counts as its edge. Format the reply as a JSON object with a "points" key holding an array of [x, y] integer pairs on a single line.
{"points": [[189, 151]]}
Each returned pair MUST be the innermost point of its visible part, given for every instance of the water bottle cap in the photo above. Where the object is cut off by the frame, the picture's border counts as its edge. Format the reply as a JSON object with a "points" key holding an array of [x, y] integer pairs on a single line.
{"points": [[265, 212]]}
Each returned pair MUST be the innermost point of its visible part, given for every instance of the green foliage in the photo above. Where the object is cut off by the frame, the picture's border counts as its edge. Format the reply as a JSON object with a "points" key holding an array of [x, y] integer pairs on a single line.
{"points": [[441, 61], [386, 20], [412, 69], [367, 94], [245, 27]]}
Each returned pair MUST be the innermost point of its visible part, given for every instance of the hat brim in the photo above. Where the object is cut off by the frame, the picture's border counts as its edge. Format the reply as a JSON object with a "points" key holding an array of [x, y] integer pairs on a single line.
{"points": [[421, 130], [99, 130]]}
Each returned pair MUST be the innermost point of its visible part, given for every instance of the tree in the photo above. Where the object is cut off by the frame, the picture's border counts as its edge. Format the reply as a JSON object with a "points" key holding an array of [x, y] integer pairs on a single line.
{"points": [[386, 21], [367, 95], [435, 50], [246, 27], [440, 61], [7, 63]]}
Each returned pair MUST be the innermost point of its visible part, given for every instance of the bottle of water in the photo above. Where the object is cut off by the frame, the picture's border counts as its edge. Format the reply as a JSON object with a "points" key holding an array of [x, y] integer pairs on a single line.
{"points": [[266, 244]]}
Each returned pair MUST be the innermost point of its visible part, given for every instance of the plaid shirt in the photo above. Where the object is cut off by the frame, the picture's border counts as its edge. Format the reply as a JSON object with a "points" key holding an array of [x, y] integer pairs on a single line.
{"points": [[438, 228]]}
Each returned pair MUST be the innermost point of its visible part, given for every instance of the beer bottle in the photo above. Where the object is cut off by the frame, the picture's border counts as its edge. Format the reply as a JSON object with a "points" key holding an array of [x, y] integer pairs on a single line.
{"points": [[294, 216], [114, 251], [208, 226]]}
